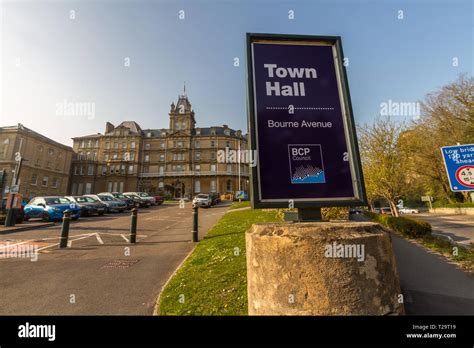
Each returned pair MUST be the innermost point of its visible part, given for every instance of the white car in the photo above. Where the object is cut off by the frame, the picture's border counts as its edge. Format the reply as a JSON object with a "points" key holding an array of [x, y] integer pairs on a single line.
{"points": [[202, 200], [408, 211]]}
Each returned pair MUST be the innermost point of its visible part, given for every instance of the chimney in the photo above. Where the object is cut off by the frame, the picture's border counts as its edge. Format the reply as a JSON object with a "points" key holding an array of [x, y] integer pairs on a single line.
{"points": [[109, 127]]}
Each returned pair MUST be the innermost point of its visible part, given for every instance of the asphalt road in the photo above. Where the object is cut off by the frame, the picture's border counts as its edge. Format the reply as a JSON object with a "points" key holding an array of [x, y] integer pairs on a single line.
{"points": [[101, 273], [458, 228]]}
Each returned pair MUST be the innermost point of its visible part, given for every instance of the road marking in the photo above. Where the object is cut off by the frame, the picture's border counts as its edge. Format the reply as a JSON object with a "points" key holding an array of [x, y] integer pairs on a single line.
{"points": [[126, 239], [12, 245], [99, 239]]}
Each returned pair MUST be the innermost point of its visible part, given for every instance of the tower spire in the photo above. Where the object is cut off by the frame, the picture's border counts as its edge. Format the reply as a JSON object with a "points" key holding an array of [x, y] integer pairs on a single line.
{"points": [[184, 88]]}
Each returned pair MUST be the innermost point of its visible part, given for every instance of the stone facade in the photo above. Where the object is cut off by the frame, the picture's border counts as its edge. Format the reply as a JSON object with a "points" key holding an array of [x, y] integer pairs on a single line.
{"points": [[179, 161], [45, 168]]}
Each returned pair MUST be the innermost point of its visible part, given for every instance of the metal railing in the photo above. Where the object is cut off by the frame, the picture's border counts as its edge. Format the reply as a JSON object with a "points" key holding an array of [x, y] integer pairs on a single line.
{"points": [[190, 173]]}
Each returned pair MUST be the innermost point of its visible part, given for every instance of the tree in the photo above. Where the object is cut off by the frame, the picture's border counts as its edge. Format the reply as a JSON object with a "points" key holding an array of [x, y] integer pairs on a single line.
{"points": [[383, 161], [447, 118]]}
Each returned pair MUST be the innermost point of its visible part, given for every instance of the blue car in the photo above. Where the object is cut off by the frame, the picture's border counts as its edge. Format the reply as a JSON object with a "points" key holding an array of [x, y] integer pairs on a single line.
{"points": [[51, 208]]}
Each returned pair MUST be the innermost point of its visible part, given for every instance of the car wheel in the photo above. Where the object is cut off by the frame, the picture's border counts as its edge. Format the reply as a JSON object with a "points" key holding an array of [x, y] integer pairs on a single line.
{"points": [[45, 217]]}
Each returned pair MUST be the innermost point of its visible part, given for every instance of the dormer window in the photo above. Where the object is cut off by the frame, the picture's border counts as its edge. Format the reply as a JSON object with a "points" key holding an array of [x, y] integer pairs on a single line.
{"points": [[148, 135], [198, 131], [213, 131], [227, 132]]}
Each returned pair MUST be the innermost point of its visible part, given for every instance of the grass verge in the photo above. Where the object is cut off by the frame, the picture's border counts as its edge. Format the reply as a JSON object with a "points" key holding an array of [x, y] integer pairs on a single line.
{"points": [[462, 255], [213, 279]]}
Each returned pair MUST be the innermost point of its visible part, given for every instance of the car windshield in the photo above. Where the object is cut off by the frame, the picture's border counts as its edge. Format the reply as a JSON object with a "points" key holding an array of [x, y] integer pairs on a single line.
{"points": [[202, 196], [143, 194], [106, 198], [57, 200], [84, 199], [119, 195]]}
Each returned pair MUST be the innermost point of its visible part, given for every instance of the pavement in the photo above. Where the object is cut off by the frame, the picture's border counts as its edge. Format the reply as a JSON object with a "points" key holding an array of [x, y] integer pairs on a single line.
{"points": [[457, 228], [430, 283], [100, 273]]}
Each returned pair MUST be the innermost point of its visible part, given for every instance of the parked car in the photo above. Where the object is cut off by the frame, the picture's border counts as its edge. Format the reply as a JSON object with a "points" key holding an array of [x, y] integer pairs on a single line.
{"points": [[128, 201], [88, 205], [215, 198], [146, 197], [139, 201], [18, 213], [406, 210], [384, 210], [113, 204], [355, 211], [203, 200], [51, 208], [159, 200]]}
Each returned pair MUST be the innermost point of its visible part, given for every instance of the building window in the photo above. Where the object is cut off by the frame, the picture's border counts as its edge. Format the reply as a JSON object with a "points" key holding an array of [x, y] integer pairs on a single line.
{"points": [[213, 131], [76, 170], [132, 156], [148, 135], [213, 186], [213, 167], [122, 169], [147, 146], [229, 168], [197, 167], [107, 146], [130, 169], [161, 185], [89, 143], [88, 155], [50, 152], [197, 186], [90, 170], [121, 187], [124, 145], [213, 143], [162, 170], [106, 156], [115, 156], [162, 145], [111, 169], [229, 185], [197, 155], [132, 145], [96, 143], [88, 189], [83, 144], [197, 144], [54, 184], [162, 158], [115, 145], [94, 156], [115, 186], [109, 186], [213, 155], [180, 144], [34, 179], [147, 158], [227, 143], [45, 181], [145, 169], [198, 131]]}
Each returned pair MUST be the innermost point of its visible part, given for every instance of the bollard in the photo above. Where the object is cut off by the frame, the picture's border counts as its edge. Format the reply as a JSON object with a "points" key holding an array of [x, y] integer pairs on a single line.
{"points": [[65, 229], [195, 223], [133, 226]]}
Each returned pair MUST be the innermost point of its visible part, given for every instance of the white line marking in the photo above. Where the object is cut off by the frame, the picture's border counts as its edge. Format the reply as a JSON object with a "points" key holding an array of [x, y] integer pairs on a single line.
{"points": [[126, 239], [99, 239]]}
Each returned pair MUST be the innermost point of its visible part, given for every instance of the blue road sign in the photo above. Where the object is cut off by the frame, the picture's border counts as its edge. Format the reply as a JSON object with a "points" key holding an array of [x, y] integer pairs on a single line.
{"points": [[459, 162]]}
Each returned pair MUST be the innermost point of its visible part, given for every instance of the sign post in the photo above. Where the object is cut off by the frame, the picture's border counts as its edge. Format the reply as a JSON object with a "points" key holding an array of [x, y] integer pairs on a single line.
{"points": [[459, 163], [301, 125]]}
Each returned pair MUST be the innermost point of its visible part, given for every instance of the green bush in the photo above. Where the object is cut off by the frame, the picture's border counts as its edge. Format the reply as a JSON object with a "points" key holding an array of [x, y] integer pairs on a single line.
{"points": [[409, 227], [453, 205]]}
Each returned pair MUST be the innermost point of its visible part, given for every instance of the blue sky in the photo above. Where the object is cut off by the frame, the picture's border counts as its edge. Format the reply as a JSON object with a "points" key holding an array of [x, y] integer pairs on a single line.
{"points": [[48, 57]]}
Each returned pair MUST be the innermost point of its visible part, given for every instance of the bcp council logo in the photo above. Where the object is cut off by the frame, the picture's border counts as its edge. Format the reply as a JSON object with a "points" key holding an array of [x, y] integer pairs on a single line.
{"points": [[306, 164]]}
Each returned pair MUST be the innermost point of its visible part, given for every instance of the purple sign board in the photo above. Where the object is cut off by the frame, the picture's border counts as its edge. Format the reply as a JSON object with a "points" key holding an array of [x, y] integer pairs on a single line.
{"points": [[301, 124]]}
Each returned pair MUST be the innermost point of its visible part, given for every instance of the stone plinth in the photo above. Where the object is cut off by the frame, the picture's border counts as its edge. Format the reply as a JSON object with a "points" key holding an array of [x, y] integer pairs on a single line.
{"points": [[323, 268]]}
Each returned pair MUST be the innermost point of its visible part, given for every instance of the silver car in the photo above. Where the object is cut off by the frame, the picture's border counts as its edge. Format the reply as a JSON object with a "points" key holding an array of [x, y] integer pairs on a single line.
{"points": [[202, 200]]}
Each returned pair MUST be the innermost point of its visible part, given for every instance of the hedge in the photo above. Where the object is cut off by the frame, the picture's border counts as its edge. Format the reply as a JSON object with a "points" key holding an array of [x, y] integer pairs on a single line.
{"points": [[409, 227]]}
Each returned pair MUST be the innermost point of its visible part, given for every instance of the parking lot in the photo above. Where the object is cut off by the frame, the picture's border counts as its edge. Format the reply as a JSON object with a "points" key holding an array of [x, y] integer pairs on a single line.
{"points": [[100, 272]]}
